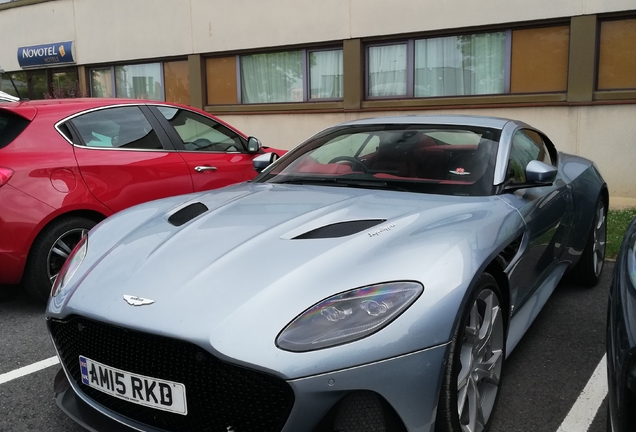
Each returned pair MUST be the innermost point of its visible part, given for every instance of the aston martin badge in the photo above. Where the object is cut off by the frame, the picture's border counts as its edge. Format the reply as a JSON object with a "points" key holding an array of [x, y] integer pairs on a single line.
{"points": [[137, 301]]}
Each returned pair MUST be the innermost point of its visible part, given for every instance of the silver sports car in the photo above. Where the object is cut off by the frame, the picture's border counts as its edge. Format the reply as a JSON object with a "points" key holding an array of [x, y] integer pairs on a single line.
{"points": [[372, 279]]}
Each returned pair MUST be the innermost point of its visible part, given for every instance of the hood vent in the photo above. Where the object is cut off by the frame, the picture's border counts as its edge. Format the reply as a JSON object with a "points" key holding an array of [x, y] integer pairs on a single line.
{"points": [[340, 229], [187, 213]]}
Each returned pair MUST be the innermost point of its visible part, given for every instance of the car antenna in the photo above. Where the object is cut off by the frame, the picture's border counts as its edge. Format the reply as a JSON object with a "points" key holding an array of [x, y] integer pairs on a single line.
{"points": [[17, 93]]}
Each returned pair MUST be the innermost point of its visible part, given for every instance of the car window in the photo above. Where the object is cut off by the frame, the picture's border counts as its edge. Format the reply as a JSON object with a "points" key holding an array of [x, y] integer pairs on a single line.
{"points": [[200, 133], [351, 145], [11, 125], [527, 145], [418, 158], [121, 127]]}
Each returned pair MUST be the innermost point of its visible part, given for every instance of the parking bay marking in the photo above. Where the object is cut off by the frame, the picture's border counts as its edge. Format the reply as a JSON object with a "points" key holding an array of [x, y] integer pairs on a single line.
{"points": [[26, 370], [586, 406]]}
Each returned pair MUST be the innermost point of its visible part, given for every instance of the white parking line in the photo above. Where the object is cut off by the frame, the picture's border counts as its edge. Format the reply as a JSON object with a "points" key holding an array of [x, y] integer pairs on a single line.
{"points": [[26, 370], [586, 406]]}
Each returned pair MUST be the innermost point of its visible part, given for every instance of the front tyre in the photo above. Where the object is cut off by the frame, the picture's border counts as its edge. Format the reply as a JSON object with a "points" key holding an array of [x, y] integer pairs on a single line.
{"points": [[472, 377], [49, 252], [590, 266]]}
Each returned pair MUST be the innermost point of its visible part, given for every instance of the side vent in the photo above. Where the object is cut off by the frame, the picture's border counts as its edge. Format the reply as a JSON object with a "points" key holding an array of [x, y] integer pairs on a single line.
{"points": [[507, 255], [187, 213], [340, 229]]}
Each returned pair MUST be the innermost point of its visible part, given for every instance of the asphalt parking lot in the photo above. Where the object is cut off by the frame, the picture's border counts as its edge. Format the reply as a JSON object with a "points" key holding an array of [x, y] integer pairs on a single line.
{"points": [[541, 390]]}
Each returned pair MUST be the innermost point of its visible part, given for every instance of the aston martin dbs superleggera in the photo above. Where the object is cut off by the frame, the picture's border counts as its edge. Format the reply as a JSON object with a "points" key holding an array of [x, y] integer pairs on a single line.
{"points": [[372, 279]]}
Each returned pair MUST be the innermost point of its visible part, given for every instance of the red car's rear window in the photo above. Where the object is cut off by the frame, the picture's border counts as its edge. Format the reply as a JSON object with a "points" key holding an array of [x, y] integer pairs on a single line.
{"points": [[11, 125]]}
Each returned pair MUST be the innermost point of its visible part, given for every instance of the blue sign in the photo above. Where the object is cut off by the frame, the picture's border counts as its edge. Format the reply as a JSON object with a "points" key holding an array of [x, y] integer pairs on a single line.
{"points": [[46, 55]]}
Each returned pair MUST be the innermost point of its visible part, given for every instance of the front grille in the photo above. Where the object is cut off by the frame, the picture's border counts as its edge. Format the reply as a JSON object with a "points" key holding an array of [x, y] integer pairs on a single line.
{"points": [[361, 411], [220, 396]]}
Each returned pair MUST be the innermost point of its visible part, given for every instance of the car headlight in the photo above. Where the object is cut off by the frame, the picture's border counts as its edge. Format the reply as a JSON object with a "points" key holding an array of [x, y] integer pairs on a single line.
{"points": [[71, 265], [349, 316]]}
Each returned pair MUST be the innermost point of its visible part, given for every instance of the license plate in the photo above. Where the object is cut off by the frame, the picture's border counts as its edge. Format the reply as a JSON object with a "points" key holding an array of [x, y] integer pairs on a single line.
{"points": [[143, 390]]}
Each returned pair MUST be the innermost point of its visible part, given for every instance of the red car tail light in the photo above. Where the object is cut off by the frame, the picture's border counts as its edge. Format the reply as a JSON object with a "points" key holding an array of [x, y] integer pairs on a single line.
{"points": [[5, 175]]}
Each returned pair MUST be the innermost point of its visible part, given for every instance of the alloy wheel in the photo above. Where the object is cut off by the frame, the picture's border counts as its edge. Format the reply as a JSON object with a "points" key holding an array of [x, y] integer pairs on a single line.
{"points": [[61, 249], [600, 237], [481, 358]]}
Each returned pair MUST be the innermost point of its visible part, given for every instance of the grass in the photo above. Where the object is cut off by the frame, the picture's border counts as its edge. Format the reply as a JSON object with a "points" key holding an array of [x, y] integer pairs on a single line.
{"points": [[617, 221]]}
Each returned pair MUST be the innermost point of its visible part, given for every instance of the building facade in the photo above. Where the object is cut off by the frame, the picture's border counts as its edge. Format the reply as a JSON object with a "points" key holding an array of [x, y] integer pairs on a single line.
{"points": [[282, 70]]}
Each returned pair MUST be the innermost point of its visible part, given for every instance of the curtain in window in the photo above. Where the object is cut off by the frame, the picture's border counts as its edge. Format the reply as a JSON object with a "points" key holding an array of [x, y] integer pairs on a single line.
{"points": [[326, 74], [275, 77], [139, 81], [460, 65], [101, 83], [387, 70]]}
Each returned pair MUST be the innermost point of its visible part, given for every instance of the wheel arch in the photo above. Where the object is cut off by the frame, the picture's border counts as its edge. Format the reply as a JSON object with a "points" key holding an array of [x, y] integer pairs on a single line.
{"points": [[93, 215]]}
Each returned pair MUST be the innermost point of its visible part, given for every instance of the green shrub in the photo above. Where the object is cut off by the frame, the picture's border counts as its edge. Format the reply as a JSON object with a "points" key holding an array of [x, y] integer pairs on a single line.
{"points": [[617, 221]]}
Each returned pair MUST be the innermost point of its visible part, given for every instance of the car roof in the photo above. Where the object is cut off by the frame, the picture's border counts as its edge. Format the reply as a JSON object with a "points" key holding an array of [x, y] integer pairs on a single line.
{"points": [[81, 103], [436, 119], [65, 107]]}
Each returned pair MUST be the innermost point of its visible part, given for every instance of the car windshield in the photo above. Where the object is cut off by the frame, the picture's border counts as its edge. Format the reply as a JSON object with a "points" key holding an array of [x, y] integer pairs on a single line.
{"points": [[452, 160]]}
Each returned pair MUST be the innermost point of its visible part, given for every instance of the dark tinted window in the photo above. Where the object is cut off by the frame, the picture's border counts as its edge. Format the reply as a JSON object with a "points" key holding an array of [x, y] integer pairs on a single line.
{"points": [[11, 125], [200, 133], [123, 127]]}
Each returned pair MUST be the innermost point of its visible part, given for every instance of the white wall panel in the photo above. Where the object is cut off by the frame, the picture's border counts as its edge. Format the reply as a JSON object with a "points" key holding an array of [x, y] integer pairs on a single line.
{"points": [[115, 30], [243, 24], [381, 17]]}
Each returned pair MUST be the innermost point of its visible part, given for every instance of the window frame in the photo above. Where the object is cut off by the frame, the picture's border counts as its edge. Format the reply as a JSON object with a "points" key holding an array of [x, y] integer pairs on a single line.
{"points": [[307, 82], [410, 69], [306, 74], [30, 73], [75, 139], [410, 66], [176, 138], [113, 78], [597, 53]]}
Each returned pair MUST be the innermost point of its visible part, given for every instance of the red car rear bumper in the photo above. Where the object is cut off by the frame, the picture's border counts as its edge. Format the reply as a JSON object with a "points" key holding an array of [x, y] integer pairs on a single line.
{"points": [[20, 214]]}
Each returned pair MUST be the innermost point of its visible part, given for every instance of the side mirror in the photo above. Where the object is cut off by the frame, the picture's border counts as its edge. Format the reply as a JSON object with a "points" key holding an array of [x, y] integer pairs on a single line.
{"points": [[253, 145], [261, 162], [540, 173]]}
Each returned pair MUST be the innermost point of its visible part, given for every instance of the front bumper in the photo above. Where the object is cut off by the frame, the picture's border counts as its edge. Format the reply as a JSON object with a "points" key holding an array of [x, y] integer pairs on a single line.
{"points": [[408, 385]]}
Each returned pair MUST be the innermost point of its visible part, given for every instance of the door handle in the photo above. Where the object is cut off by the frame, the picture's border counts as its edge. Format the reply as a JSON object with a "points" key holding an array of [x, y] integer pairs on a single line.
{"points": [[204, 168]]}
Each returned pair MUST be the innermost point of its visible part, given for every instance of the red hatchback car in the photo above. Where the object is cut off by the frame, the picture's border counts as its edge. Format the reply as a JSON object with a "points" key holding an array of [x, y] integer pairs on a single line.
{"points": [[67, 164]]}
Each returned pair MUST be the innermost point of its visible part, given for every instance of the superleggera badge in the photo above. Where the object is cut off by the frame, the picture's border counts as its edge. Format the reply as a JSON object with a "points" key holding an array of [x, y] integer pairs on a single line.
{"points": [[137, 301], [381, 230]]}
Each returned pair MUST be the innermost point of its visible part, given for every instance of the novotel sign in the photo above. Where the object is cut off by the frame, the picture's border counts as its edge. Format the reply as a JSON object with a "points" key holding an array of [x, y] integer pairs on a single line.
{"points": [[46, 55]]}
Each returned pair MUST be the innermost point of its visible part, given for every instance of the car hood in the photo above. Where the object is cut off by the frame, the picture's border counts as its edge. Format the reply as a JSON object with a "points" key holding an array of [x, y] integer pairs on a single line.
{"points": [[233, 277]]}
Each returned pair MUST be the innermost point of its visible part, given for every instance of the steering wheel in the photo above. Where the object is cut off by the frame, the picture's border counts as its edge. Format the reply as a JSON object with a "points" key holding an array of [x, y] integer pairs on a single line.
{"points": [[357, 162]]}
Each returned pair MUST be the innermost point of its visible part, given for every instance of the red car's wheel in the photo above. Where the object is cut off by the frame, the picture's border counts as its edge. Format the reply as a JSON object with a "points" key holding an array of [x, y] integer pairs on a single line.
{"points": [[49, 252]]}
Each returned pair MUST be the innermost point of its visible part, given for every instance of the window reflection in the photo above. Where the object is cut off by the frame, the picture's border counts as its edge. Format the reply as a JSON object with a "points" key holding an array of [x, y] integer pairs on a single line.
{"points": [[139, 81]]}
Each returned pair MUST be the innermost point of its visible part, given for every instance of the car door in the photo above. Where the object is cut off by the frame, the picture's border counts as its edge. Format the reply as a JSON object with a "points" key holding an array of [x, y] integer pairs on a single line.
{"points": [[543, 209], [215, 154], [125, 157]]}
